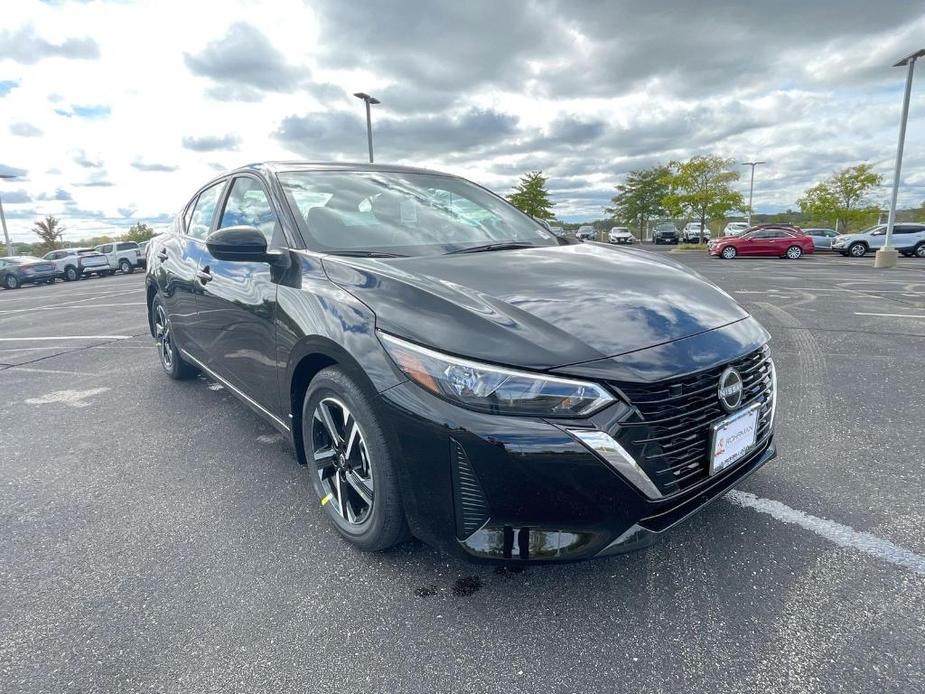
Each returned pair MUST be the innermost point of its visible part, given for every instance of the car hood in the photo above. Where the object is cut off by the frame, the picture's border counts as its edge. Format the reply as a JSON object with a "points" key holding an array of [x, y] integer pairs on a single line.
{"points": [[537, 308]]}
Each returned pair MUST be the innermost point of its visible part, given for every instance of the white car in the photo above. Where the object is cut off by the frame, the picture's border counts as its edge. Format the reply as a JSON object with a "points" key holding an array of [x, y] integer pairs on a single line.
{"points": [[735, 228], [122, 255], [585, 232], [74, 263], [620, 235], [908, 239], [692, 233]]}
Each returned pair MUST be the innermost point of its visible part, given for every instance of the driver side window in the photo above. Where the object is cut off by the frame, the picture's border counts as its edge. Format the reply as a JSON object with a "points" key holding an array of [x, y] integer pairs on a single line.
{"points": [[248, 205]]}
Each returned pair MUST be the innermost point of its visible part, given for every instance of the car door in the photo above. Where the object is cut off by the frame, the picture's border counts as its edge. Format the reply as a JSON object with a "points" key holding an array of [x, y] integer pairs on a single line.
{"points": [[237, 299], [179, 260], [876, 238], [906, 236]]}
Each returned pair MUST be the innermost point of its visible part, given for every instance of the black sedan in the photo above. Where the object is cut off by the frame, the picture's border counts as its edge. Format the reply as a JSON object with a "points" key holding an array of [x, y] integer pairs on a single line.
{"points": [[446, 367], [18, 270]]}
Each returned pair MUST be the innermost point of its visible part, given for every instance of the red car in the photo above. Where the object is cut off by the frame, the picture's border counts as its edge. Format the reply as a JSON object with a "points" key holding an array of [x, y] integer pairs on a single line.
{"points": [[779, 241]]}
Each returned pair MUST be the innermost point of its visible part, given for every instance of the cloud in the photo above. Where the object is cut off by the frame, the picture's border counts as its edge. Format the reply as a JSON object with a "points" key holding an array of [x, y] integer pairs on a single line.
{"points": [[27, 47], [99, 183], [211, 143], [244, 63], [14, 197], [25, 130], [6, 86], [60, 194], [91, 111], [80, 158], [6, 170], [142, 166]]}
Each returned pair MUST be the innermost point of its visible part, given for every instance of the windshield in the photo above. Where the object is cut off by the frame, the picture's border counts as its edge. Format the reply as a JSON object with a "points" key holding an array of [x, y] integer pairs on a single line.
{"points": [[403, 213], [870, 230]]}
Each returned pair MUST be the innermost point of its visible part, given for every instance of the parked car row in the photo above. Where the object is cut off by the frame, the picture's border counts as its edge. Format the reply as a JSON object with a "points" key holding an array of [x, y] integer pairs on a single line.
{"points": [[71, 264], [908, 239]]}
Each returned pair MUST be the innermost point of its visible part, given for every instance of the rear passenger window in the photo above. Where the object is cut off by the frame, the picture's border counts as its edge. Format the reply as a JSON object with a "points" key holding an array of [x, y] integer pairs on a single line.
{"points": [[248, 205], [203, 211], [126, 246]]}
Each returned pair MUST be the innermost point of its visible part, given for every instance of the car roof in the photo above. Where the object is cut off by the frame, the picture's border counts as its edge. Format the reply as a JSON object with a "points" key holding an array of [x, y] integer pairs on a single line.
{"points": [[277, 166]]}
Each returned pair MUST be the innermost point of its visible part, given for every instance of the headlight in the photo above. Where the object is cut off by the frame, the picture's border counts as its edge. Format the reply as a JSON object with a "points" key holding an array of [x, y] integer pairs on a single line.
{"points": [[494, 389]]}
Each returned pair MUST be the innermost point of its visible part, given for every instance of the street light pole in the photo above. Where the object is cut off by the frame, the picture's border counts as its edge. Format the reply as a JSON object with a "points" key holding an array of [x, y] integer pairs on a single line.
{"points": [[369, 123], [751, 186], [6, 234], [887, 256]]}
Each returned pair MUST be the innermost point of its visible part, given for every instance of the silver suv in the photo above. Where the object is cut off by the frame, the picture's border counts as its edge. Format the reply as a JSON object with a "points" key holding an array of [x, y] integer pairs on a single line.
{"points": [[74, 263], [124, 256], [908, 239]]}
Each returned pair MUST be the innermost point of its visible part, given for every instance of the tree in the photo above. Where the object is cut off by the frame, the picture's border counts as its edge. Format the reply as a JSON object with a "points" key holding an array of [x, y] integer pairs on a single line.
{"points": [[138, 232], [641, 196], [699, 188], [843, 196], [49, 230], [530, 196]]}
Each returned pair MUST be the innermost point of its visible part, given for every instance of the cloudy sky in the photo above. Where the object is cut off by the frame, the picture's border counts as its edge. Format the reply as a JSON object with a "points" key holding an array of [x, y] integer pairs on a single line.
{"points": [[113, 112]]}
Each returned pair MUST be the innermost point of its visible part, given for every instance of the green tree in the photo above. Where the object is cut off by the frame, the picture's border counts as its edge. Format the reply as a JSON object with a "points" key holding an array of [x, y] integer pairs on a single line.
{"points": [[699, 188], [641, 197], [843, 197], [138, 232], [50, 231], [530, 196]]}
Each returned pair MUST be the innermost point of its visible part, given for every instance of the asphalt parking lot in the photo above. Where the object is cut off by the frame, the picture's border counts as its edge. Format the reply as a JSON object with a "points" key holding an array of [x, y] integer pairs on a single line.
{"points": [[159, 536]]}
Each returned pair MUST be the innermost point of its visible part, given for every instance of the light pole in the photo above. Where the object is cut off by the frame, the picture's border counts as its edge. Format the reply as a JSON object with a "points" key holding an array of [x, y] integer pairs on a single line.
{"points": [[6, 234], [369, 123], [751, 186], [886, 256]]}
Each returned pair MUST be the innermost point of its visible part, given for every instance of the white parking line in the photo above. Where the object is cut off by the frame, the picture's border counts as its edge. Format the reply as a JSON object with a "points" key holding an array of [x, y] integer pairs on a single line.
{"points": [[841, 535], [67, 337], [888, 315], [31, 369], [68, 306]]}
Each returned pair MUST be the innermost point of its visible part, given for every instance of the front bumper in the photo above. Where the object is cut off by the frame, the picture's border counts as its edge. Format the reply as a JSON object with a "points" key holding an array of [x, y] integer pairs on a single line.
{"points": [[498, 488]]}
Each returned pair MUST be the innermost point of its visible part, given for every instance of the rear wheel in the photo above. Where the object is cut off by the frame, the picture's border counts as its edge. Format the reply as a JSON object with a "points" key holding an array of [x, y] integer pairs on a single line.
{"points": [[857, 250], [126, 267], [353, 469], [920, 250], [729, 252], [174, 364], [71, 274], [794, 252], [11, 282]]}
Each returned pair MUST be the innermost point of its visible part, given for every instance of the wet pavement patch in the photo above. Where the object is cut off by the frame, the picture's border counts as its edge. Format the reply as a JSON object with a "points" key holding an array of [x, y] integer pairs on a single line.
{"points": [[508, 571], [466, 586], [425, 591]]}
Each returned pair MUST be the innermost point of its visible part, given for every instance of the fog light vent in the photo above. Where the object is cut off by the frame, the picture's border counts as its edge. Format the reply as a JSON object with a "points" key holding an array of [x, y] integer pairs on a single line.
{"points": [[471, 505]]}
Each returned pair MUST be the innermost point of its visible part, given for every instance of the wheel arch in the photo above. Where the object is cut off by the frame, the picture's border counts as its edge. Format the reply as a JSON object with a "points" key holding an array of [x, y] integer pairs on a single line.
{"points": [[150, 293], [307, 359]]}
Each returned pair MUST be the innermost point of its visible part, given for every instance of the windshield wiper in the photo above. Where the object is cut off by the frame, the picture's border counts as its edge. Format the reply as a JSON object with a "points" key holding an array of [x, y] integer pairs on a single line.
{"points": [[368, 254], [507, 245]]}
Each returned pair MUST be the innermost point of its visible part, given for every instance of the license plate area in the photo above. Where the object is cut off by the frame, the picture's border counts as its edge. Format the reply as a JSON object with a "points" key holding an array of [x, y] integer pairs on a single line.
{"points": [[733, 438]]}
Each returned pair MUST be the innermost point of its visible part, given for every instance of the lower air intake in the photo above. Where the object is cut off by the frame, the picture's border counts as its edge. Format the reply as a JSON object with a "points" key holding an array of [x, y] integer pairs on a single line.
{"points": [[471, 505]]}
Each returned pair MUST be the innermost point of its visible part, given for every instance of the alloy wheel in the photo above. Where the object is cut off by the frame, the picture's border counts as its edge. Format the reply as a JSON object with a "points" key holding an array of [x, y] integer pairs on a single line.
{"points": [[729, 252], [794, 252], [920, 250], [342, 461], [857, 250], [162, 335]]}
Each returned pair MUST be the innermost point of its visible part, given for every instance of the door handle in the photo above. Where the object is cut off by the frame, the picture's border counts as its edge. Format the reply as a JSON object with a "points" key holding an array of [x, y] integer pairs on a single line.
{"points": [[204, 275], [162, 254]]}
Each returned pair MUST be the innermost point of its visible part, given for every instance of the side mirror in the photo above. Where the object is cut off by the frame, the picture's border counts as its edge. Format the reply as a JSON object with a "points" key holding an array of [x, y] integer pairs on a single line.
{"points": [[238, 244]]}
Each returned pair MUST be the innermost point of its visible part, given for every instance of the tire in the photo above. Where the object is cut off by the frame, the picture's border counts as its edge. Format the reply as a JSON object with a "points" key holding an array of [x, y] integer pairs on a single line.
{"points": [[11, 282], [169, 356], [794, 252], [71, 274], [729, 252], [104, 273], [857, 250], [373, 520], [919, 250], [125, 267]]}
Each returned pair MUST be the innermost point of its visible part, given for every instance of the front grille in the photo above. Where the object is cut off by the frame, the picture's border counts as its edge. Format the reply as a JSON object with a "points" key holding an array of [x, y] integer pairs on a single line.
{"points": [[671, 437]]}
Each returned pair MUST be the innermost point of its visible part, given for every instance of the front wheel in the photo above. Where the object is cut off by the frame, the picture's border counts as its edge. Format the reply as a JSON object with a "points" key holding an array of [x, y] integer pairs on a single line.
{"points": [[11, 282], [729, 252], [857, 250], [920, 251], [168, 354], [794, 252], [353, 469]]}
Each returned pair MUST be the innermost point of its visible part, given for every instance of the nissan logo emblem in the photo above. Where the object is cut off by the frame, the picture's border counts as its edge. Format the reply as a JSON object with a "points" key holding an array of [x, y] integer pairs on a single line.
{"points": [[730, 389]]}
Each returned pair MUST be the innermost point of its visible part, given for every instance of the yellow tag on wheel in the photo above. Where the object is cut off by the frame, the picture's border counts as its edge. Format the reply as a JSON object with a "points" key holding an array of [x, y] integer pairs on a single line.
{"points": [[327, 499]]}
